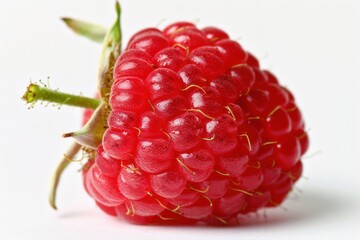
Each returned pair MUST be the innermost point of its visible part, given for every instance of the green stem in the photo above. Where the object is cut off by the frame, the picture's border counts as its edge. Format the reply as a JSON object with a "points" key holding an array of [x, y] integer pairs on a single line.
{"points": [[35, 93], [65, 161]]}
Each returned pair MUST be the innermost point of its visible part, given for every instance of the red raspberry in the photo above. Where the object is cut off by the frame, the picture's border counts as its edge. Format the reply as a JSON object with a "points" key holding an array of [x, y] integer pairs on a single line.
{"points": [[197, 131]]}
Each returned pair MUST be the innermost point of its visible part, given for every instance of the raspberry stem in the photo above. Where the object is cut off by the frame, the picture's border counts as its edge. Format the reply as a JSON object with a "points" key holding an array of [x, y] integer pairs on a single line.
{"points": [[35, 93], [71, 152]]}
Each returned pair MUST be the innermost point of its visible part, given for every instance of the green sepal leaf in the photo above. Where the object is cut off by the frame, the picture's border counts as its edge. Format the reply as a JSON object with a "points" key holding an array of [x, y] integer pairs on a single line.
{"points": [[91, 134], [62, 165], [88, 30], [110, 52]]}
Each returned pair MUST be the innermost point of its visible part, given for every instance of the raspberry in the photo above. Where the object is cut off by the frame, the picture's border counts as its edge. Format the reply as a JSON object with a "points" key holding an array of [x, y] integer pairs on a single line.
{"points": [[187, 129], [199, 130]]}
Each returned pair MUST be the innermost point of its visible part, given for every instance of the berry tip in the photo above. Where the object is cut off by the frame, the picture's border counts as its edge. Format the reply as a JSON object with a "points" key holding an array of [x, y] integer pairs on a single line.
{"points": [[67, 135], [52, 204]]}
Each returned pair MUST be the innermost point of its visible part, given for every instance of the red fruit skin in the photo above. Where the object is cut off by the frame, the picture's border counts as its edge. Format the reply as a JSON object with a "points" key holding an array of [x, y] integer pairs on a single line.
{"points": [[215, 34], [109, 210], [232, 52], [171, 58], [188, 37], [175, 27], [150, 41], [198, 132]]}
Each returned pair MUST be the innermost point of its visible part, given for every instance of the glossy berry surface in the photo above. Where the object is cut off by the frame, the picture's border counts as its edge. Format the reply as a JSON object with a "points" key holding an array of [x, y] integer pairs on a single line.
{"points": [[198, 132]]}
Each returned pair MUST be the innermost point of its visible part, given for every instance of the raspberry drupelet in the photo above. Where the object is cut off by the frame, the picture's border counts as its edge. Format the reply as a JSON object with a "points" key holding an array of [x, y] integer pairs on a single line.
{"points": [[197, 132]]}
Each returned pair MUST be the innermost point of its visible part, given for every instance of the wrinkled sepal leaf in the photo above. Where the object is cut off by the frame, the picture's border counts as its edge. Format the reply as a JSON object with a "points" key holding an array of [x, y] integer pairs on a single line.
{"points": [[91, 134], [110, 52], [88, 30], [63, 164]]}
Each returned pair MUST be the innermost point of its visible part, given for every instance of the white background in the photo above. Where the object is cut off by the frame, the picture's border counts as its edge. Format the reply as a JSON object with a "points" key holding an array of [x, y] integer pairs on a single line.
{"points": [[312, 46]]}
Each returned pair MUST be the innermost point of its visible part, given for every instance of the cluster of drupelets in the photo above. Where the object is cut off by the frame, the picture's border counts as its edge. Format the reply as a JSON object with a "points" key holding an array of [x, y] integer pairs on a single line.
{"points": [[197, 131]]}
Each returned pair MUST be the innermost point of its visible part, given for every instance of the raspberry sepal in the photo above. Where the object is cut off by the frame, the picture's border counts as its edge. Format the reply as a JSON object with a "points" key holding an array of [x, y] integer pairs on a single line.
{"points": [[91, 31], [91, 134], [62, 165], [110, 52]]}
